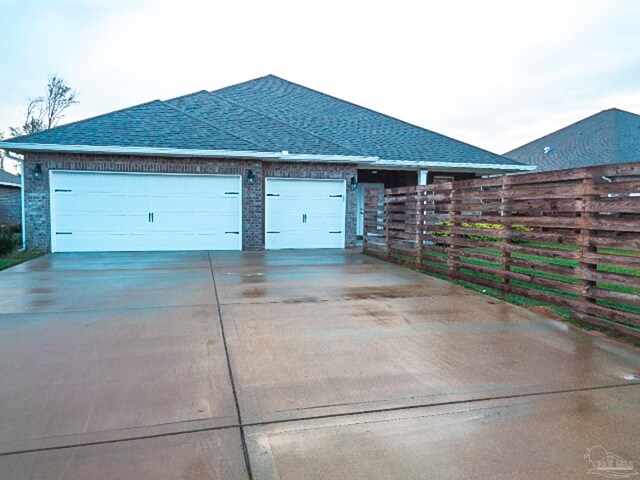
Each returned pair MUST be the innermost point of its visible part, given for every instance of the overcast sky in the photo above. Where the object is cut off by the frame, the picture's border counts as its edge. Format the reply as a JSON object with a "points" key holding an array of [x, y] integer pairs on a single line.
{"points": [[496, 74]]}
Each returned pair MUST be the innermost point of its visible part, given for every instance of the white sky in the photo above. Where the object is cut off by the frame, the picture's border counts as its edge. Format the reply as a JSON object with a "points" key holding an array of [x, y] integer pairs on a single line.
{"points": [[496, 74]]}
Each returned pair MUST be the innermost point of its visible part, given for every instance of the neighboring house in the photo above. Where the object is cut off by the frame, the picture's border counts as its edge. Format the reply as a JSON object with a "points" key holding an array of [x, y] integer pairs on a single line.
{"points": [[609, 137], [10, 199], [262, 164]]}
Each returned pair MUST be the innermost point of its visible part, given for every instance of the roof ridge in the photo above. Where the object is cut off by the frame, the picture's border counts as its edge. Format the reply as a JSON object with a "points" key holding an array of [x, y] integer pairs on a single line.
{"points": [[210, 124], [243, 83], [380, 113], [84, 120], [566, 127], [282, 122]]}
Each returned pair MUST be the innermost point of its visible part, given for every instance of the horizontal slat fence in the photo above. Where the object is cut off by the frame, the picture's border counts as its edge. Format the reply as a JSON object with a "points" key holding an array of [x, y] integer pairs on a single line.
{"points": [[569, 238]]}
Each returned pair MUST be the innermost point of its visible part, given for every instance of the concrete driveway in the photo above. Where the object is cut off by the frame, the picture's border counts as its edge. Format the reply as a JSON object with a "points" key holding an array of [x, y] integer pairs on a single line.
{"points": [[294, 365]]}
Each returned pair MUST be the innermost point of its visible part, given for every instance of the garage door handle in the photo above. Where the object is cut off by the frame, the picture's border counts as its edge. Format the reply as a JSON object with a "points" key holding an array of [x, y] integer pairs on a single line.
{"points": [[273, 232], [235, 233], [273, 194], [231, 193], [62, 190], [64, 233], [339, 231], [335, 196]]}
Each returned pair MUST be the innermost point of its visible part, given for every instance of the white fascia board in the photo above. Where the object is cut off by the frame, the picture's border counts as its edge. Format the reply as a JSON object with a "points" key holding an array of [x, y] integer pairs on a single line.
{"points": [[7, 184], [425, 164], [182, 152], [360, 160]]}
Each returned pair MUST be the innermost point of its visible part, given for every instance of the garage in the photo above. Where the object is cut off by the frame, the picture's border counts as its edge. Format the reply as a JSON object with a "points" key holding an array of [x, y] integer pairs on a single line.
{"points": [[304, 213], [100, 211]]}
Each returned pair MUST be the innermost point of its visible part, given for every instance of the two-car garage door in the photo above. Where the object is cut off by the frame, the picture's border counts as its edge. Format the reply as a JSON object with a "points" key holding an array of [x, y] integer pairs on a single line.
{"points": [[144, 212], [96, 211]]}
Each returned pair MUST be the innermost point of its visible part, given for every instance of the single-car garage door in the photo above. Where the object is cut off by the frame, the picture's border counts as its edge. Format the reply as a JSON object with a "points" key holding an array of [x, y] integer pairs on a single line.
{"points": [[303, 213], [93, 211]]}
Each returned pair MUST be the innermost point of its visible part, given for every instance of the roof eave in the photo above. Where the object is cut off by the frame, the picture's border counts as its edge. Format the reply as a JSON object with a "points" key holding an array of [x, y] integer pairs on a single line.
{"points": [[183, 152], [451, 166]]}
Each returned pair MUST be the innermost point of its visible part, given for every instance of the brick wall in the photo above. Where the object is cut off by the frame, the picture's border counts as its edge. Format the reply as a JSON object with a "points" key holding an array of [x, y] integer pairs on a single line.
{"points": [[37, 206], [10, 203]]}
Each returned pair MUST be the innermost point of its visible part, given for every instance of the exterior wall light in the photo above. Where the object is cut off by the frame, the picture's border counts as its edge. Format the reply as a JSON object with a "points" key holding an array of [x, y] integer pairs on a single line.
{"points": [[354, 183], [251, 179], [37, 172]]}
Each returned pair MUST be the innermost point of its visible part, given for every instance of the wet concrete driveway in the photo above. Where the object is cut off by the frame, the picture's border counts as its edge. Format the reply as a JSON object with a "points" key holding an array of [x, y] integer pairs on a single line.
{"points": [[294, 365]]}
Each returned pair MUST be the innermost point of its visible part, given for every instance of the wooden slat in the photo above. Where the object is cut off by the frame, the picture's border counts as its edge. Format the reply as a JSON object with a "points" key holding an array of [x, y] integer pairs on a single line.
{"points": [[589, 208]]}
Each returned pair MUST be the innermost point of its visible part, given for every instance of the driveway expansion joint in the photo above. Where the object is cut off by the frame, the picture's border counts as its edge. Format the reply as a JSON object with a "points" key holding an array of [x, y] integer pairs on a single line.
{"points": [[243, 441], [242, 426]]}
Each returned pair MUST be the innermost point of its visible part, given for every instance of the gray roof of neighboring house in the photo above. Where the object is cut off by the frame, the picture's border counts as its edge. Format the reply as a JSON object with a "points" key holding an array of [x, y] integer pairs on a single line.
{"points": [[9, 178], [267, 114], [609, 137]]}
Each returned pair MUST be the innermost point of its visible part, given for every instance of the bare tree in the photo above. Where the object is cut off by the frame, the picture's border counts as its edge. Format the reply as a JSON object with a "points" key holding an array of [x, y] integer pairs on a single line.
{"points": [[45, 112]]}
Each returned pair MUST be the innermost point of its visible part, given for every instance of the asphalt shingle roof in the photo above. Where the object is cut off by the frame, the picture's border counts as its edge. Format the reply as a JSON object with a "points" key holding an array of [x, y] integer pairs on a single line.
{"points": [[267, 114], [354, 127], [269, 134], [152, 124], [609, 137]]}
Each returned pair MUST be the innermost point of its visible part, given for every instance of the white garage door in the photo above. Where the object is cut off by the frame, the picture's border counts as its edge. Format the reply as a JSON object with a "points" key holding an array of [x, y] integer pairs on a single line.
{"points": [[144, 212], [301, 213]]}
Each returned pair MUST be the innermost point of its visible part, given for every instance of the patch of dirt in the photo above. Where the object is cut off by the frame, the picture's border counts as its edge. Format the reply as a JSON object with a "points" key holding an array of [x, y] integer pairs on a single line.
{"points": [[254, 293], [371, 293], [546, 311]]}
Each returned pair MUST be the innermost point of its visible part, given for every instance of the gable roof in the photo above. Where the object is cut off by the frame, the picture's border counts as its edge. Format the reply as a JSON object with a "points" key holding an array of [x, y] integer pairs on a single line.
{"points": [[263, 118], [9, 179], [352, 126], [269, 134], [608, 137]]}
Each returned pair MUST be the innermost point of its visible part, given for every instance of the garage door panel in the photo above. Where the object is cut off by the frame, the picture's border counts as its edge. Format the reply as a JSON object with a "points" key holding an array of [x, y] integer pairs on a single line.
{"points": [[129, 212], [304, 213]]}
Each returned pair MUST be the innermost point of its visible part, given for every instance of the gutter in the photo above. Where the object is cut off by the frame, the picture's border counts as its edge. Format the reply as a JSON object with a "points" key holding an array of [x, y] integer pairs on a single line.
{"points": [[427, 164], [184, 152], [363, 160]]}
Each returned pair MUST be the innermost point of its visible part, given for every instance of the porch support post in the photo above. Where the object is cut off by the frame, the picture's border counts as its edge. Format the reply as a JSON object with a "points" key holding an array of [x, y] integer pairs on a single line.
{"points": [[422, 177]]}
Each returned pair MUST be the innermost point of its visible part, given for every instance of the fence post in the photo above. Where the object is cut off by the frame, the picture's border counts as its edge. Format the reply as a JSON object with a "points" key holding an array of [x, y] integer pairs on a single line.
{"points": [[385, 226], [454, 248], [508, 228], [586, 284], [420, 218]]}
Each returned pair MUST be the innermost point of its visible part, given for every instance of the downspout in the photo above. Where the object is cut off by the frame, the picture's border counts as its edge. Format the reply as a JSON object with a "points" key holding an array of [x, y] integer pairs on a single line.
{"points": [[24, 225]]}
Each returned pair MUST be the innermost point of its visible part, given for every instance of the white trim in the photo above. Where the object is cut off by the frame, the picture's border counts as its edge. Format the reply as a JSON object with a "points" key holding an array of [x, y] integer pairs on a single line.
{"points": [[184, 152], [52, 197], [52, 217], [424, 164], [369, 161], [344, 203], [7, 184], [423, 177]]}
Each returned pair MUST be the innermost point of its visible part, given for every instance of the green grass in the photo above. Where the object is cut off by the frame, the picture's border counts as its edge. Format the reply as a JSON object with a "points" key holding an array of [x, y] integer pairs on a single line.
{"points": [[17, 257], [439, 259]]}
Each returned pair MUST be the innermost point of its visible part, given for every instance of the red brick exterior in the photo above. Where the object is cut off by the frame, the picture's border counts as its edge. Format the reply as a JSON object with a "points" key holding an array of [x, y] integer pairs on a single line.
{"points": [[37, 202], [10, 205]]}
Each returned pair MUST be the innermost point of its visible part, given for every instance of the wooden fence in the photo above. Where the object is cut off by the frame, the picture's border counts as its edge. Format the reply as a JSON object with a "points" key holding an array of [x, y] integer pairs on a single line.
{"points": [[569, 238]]}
